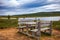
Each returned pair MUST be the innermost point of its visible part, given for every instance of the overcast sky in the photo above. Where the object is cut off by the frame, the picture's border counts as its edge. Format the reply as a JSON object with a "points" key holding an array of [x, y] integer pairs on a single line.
{"points": [[15, 7]]}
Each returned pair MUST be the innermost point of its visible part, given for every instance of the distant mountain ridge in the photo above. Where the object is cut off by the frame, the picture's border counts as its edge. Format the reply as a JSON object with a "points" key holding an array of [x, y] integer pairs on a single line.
{"points": [[40, 14]]}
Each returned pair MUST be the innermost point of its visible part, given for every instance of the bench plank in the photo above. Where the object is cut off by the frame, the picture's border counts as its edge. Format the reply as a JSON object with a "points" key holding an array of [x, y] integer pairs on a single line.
{"points": [[42, 29]]}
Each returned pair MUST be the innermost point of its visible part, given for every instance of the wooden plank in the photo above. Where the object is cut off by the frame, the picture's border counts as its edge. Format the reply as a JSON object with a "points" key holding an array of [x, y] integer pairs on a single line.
{"points": [[42, 29], [34, 30], [27, 22], [45, 21], [22, 26], [44, 25]]}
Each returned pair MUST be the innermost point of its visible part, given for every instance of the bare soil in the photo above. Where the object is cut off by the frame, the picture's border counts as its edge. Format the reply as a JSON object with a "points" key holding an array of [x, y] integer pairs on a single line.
{"points": [[11, 34]]}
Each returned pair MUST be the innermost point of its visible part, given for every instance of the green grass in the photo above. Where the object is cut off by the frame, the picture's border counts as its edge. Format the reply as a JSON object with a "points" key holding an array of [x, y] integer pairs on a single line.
{"points": [[5, 23], [56, 25]]}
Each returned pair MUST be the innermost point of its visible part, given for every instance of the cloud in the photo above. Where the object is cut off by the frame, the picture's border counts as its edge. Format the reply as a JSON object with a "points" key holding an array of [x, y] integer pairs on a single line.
{"points": [[46, 8], [14, 3], [53, 0], [52, 6], [15, 7]]}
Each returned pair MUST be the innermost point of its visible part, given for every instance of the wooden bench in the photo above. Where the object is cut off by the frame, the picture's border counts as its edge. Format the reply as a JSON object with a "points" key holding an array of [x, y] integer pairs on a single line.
{"points": [[37, 25]]}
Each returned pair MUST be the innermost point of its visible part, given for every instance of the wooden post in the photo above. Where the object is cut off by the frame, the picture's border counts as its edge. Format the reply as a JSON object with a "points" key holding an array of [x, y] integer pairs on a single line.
{"points": [[33, 34], [18, 28], [27, 28], [51, 28], [39, 30]]}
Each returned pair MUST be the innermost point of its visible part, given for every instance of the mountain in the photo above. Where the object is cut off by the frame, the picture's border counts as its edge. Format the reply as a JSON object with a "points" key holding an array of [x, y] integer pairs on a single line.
{"points": [[40, 14]]}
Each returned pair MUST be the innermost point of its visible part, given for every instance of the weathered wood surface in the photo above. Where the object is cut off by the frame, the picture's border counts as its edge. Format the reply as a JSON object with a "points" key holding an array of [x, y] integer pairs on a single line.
{"points": [[27, 22], [42, 29], [39, 26]]}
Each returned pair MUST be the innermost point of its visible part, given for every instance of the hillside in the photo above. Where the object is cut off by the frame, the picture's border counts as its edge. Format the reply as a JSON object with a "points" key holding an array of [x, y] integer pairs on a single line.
{"points": [[40, 14]]}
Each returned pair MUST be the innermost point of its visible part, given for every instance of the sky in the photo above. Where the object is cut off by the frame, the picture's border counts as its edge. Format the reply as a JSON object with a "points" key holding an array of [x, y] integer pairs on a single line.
{"points": [[18, 7]]}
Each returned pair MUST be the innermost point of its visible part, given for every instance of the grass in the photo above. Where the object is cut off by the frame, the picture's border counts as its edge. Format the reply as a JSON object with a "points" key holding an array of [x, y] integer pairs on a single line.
{"points": [[56, 25], [5, 23]]}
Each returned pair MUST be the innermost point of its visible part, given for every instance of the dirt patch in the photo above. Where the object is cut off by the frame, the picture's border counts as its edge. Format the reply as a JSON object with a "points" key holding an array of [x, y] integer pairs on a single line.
{"points": [[56, 35], [11, 34]]}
